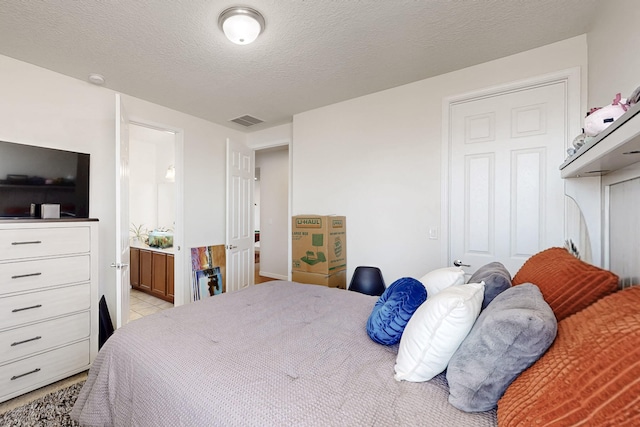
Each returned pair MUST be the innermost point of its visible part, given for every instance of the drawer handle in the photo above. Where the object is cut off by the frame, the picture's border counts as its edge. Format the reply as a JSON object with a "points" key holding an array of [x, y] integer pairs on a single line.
{"points": [[15, 310], [33, 242], [20, 276], [15, 377], [25, 341]]}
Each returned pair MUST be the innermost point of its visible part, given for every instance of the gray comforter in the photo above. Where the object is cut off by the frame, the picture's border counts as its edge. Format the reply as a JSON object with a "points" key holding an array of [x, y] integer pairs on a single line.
{"points": [[278, 353]]}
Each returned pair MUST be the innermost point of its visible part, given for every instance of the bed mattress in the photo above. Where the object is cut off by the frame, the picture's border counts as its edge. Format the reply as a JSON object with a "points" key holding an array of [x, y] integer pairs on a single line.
{"points": [[278, 353]]}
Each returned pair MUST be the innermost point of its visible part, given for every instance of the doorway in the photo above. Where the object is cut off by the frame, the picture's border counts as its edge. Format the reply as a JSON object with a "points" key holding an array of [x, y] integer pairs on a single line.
{"points": [[152, 216], [271, 213]]}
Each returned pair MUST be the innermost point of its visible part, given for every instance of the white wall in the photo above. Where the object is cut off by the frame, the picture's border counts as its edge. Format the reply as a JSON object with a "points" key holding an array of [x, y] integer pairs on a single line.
{"points": [[277, 135], [274, 212], [377, 159], [40, 107], [143, 197], [151, 195], [613, 42]]}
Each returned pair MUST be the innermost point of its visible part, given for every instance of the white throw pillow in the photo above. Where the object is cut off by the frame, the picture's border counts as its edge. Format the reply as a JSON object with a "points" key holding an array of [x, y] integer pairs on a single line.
{"points": [[442, 278], [436, 330]]}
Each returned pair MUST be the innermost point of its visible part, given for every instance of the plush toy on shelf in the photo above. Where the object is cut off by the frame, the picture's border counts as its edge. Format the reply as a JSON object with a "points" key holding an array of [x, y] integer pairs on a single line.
{"points": [[598, 119]]}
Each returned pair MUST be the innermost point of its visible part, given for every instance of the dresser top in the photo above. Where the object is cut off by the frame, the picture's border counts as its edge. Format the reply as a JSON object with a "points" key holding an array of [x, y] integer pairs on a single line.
{"points": [[41, 220]]}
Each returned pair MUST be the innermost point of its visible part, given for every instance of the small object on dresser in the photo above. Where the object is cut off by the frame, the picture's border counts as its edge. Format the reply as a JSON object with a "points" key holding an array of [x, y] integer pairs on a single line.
{"points": [[50, 211]]}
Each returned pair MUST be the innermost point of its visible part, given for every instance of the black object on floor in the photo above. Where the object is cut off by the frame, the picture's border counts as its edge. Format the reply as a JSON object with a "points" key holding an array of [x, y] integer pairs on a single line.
{"points": [[367, 280], [105, 327]]}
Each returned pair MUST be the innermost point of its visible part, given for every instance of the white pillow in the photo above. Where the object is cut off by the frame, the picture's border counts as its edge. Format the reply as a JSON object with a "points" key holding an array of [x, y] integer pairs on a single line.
{"points": [[442, 278], [436, 330]]}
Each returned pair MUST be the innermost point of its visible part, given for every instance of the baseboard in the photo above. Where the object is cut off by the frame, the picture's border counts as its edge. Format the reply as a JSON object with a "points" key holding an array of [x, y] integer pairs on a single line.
{"points": [[273, 275]]}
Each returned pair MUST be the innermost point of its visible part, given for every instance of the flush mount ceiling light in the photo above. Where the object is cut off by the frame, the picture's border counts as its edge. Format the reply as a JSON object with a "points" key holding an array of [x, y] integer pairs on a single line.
{"points": [[241, 25]]}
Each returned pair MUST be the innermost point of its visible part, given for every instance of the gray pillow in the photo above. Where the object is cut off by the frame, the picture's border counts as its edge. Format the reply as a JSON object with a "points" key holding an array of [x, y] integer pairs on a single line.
{"points": [[508, 337], [496, 279]]}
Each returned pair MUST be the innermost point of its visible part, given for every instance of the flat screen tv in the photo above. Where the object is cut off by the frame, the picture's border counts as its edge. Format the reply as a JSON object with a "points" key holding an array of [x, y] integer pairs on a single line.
{"points": [[31, 176]]}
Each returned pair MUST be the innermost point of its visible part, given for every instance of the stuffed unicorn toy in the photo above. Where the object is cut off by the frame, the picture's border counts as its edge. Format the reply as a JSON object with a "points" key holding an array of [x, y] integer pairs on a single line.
{"points": [[598, 119]]}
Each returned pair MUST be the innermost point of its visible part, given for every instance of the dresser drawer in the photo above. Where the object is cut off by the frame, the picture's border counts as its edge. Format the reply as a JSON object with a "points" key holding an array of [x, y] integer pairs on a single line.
{"points": [[37, 242], [21, 342], [36, 274], [24, 374], [36, 306]]}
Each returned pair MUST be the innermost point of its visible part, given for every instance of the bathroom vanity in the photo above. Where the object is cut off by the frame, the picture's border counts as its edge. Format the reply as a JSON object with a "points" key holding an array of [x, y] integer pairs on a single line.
{"points": [[152, 270]]}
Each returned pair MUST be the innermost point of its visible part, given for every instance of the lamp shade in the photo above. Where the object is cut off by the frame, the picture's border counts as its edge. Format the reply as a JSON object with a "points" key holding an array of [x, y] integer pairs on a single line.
{"points": [[241, 25]]}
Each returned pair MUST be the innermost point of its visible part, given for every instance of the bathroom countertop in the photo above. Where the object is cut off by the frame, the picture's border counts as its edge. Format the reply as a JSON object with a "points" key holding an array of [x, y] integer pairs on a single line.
{"points": [[140, 245]]}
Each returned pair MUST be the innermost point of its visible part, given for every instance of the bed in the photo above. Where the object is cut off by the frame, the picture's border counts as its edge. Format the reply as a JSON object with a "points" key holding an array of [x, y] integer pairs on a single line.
{"points": [[279, 353], [284, 353]]}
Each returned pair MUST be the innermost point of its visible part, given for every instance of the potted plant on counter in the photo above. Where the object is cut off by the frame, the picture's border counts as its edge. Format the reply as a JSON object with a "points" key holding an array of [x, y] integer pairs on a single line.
{"points": [[139, 233]]}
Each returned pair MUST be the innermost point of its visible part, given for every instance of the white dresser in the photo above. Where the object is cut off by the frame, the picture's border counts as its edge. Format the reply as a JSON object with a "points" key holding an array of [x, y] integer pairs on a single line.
{"points": [[48, 302]]}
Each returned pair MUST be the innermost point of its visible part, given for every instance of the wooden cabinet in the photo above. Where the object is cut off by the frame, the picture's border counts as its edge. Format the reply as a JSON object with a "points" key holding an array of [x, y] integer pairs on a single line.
{"points": [[146, 270], [134, 267], [48, 302], [170, 274], [159, 274], [152, 272]]}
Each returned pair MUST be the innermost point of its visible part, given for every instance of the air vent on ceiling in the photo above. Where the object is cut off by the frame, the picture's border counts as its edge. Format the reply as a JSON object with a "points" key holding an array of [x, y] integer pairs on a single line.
{"points": [[247, 120]]}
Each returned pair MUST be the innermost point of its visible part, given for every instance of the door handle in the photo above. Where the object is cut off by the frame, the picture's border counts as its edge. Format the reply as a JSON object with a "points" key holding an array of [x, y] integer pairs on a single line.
{"points": [[231, 246], [119, 266], [459, 263]]}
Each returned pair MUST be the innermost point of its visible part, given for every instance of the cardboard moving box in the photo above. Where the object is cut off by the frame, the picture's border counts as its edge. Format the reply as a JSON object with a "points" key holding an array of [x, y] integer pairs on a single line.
{"points": [[336, 280], [319, 244]]}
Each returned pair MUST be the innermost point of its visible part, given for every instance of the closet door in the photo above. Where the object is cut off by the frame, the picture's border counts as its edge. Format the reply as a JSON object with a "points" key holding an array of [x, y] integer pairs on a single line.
{"points": [[506, 195]]}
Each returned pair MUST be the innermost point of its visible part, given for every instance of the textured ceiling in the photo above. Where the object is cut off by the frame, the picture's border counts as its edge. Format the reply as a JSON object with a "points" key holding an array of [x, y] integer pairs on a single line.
{"points": [[312, 53]]}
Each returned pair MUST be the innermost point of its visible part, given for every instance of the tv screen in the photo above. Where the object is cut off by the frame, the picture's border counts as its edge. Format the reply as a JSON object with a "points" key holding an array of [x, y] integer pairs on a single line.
{"points": [[31, 176]]}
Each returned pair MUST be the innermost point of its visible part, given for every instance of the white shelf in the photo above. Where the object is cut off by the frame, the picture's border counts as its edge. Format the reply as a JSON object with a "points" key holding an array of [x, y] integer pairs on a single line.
{"points": [[616, 147]]}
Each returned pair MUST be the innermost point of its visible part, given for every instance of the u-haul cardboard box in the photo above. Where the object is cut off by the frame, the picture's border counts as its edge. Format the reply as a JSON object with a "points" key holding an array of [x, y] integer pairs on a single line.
{"points": [[319, 244], [336, 280]]}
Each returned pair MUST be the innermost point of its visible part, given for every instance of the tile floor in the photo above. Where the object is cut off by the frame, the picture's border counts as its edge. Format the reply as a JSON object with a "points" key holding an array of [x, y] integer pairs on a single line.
{"points": [[141, 304]]}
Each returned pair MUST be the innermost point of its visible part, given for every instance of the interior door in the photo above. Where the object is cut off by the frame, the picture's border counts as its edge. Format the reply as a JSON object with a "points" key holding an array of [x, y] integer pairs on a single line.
{"points": [[122, 215], [240, 233], [506, 194]]}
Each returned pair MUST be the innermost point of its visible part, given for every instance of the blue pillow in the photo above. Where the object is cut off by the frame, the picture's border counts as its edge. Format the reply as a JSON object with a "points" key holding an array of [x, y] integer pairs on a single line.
{"points": [[393, 310]]}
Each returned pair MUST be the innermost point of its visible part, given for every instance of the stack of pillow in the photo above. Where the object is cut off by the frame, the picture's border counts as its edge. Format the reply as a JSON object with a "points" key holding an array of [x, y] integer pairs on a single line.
{"points": [[485, 333]]}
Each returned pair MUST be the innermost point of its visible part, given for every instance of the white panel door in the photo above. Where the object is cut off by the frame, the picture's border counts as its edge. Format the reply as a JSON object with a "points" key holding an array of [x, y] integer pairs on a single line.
{"points": [[506, 194], [122, 215], [240, 232]]}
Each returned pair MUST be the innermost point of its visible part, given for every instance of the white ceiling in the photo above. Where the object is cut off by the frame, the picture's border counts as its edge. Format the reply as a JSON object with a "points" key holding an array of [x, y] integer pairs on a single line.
{"points": [[312, 53]]}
